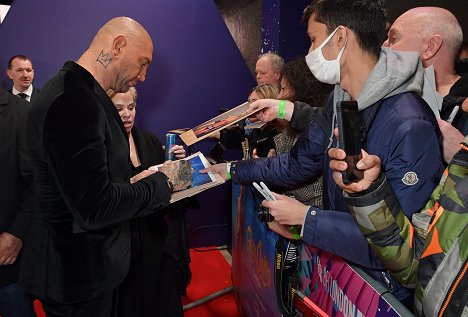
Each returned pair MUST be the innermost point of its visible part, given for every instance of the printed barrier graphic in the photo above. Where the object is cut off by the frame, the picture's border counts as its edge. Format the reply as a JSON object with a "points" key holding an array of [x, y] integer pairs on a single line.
{"points": [[336, 287], [253, 248], [339, 290]]}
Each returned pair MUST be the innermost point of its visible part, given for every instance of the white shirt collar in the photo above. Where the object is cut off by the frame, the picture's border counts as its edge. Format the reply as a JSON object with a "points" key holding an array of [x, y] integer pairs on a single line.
{"points": [[27, 92]]}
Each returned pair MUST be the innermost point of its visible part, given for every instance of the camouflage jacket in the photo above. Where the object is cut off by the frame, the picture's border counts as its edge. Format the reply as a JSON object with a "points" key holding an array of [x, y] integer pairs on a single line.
{"points": [[429, 253]]}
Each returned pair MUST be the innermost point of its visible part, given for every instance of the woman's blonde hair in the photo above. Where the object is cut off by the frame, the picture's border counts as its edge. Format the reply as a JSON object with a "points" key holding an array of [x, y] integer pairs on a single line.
{"points": [[132, 90], [134, 93], [266, 91]]}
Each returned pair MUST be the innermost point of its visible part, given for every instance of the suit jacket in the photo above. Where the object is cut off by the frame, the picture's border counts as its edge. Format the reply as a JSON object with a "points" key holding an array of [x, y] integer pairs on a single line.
{"points": [[16, 199], [34, 94], [79, 246]]}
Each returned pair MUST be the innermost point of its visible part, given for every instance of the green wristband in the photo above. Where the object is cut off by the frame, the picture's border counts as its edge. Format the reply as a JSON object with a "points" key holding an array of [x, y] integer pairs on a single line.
{"points": [[281, 109], [294, 230], [228, 171]]}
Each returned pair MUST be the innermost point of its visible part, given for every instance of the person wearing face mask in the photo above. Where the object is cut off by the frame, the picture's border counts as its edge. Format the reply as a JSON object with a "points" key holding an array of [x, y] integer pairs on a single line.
{"points": [[397, 125]]}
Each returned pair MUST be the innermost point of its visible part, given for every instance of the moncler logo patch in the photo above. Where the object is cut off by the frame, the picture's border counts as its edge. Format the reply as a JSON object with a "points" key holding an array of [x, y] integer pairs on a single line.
{"points": [[410, 178]]}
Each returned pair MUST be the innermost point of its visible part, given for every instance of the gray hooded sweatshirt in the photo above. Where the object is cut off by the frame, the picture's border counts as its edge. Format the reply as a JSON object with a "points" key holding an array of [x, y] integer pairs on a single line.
{"points": [[395, 72]]}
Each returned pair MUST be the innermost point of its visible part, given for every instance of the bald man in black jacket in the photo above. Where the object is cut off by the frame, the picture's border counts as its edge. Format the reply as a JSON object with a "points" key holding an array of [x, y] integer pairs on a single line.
{"points": [[78, 250]]}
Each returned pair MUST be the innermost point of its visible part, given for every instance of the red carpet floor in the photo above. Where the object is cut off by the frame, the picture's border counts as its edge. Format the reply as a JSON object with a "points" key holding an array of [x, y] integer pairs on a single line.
{"points": [[210, 273]]}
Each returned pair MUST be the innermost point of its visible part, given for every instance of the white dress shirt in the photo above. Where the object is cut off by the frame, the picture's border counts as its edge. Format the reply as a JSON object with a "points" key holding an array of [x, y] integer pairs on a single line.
{"points": [[28, 92]]}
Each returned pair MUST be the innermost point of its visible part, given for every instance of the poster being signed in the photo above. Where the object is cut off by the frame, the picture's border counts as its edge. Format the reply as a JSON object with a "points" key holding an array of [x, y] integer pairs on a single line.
{"points": [[218, 123], [200, 181]]}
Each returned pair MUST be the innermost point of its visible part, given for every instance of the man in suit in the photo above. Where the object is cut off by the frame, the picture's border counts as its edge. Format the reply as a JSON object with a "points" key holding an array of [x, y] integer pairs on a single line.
{"points": [[21, 72], [16, 203], [78, 250]]}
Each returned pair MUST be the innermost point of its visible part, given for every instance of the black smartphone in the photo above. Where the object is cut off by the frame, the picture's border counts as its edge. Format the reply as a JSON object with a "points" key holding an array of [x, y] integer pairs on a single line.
{"points": [[264, 146], [216, 152], [349, 130]]}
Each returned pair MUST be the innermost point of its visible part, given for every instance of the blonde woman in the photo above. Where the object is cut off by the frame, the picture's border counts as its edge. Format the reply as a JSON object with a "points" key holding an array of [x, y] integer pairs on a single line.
{"points": [[150, 288]]}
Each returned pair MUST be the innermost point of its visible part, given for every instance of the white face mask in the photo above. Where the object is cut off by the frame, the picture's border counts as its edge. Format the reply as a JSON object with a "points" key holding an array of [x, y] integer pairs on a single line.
{"points": [[324, 70]]}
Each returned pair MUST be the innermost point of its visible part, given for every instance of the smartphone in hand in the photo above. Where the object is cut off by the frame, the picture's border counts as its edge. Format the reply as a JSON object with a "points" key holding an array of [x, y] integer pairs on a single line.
{"points": [[264, 145], [349, 138]]}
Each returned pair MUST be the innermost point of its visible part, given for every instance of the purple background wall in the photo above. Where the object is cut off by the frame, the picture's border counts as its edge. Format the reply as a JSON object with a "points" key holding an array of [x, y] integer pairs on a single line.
{"points": [[197, 68], [282, 28]]}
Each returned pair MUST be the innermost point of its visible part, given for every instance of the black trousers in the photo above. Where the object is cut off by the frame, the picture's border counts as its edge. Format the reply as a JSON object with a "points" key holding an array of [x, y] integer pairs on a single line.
{"points": [[104, 306], [150, 288]]}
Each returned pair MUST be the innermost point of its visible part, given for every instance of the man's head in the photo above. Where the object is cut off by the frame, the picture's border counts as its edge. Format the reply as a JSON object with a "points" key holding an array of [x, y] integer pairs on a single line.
{"points": [[119, 55], [365, 18], [344, 34], [433, 32], [269, 68], [21, 72]]}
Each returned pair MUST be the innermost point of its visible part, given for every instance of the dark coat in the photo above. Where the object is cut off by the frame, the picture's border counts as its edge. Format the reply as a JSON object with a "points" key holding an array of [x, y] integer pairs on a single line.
{"points": [[79, 246], [16, 199], [151, 287], [401, 130], [34, 94], [456, 96]]}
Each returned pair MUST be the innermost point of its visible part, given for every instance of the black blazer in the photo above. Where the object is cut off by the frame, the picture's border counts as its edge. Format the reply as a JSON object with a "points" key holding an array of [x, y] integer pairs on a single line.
{"points": [[16, 200], [34, 94], [79, 246]]}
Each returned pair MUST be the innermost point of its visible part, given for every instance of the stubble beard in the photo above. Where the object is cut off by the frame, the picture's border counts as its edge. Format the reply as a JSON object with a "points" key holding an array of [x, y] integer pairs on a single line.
{"points": [[122, 83]]}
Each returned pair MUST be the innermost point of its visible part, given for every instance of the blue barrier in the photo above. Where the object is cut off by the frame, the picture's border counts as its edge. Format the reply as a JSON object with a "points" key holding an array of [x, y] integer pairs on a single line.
{"points": [[338, 288]]}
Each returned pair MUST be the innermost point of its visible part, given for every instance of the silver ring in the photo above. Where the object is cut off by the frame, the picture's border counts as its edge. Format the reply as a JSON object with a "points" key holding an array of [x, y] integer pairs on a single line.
{"points": [[5, 263]]}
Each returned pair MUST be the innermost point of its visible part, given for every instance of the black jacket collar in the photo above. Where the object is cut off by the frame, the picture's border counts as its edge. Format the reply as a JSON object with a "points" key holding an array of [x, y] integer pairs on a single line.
{"points": [[79, 71], [86, 77]]}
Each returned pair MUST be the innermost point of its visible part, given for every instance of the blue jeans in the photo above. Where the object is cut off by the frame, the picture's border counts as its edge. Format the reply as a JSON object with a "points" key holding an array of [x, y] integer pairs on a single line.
{"points": [[15, 302]]}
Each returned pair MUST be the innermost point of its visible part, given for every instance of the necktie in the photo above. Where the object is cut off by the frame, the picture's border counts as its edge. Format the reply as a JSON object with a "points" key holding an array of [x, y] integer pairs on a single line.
{"points": [[22, 95]]}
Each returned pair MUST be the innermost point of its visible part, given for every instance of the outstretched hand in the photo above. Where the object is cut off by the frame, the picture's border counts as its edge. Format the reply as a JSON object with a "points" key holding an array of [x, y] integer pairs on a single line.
{"points": [[286, 210], [369, 164], [220, 169], [270, 109]]}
